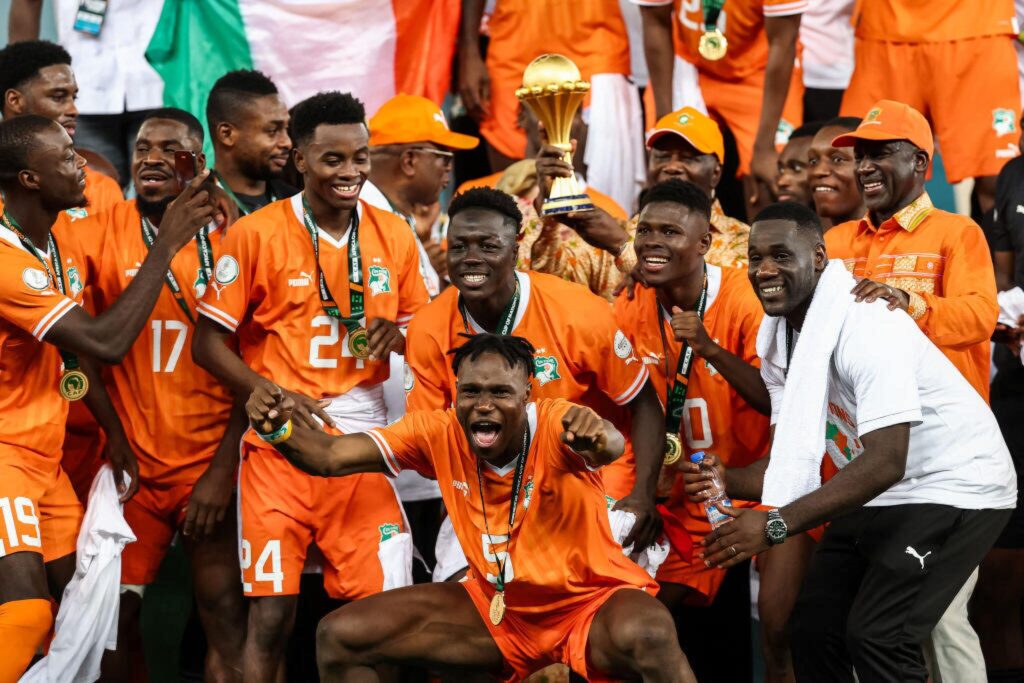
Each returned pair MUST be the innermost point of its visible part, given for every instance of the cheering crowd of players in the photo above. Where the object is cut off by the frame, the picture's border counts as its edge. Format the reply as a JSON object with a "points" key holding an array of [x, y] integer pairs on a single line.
{"points": [[241, 354]]}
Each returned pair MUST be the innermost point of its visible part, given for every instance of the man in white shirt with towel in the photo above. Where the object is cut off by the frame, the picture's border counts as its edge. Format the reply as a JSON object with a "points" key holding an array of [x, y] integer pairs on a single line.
{"points": [[925, 483]]}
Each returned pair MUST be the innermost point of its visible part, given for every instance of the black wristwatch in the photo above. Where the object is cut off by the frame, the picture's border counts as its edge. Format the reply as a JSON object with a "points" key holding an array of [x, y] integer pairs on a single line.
{"points": [[775, 530]]}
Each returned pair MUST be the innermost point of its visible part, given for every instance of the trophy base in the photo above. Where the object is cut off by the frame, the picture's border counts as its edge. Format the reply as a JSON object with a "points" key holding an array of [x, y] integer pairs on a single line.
{"points": [[554, 206]]}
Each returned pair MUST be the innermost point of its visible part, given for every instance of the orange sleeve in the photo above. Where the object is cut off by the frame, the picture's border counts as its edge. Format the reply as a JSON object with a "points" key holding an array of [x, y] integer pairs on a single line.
{"points": [[405, 444], [605, 351], [412, 292], [235, 278], [428, 364], [28, 298], [103, 192], [966, 313]]}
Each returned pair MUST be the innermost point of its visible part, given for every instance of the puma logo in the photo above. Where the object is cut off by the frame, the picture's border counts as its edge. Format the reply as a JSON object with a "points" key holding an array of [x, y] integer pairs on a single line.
{"points": [[920, 558]]}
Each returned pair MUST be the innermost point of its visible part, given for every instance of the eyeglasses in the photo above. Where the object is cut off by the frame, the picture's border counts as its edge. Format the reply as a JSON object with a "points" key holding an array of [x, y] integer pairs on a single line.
{"points": [[446, 156]]}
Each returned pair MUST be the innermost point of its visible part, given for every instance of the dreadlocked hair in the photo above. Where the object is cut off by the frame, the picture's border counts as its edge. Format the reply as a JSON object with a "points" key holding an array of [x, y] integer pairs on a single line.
{"points": [[516, 351]]}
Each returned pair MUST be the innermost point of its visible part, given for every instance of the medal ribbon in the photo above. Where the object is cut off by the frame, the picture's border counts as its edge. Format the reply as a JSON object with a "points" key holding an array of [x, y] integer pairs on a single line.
{"points": [[227, 188], [677, 392], [712, 8], [355, 271], [517, 483], [508, 316], [205, 262], [56, 276]]}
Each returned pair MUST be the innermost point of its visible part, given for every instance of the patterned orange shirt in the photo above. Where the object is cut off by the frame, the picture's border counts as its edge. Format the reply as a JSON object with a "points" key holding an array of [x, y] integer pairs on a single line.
{"points": [[942, 261]]}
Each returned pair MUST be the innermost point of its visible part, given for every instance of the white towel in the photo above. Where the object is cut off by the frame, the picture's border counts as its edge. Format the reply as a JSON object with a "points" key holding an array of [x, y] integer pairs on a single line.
{"points": [[795, 466], [1011, 306], [651, 558], [87, 620]]}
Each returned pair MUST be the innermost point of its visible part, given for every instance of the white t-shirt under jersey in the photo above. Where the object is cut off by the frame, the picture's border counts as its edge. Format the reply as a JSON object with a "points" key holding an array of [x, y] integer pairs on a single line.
{"points": [[885, 371]]}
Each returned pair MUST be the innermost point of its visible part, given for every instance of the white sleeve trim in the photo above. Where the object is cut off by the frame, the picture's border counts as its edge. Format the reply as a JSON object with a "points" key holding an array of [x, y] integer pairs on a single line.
{"points": [[913, 416], [51, 318], [786, 9], [634, 389], [385, 451], [651, 3], [217, 315], [590, 468]]}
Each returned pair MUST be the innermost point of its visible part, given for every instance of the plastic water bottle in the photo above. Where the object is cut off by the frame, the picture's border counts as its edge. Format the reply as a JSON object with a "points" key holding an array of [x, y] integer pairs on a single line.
{"points": [[717, 493]]}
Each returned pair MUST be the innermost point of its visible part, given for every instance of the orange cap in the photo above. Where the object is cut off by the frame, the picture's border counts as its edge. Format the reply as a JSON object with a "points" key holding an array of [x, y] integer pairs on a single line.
{"points": [[698, 129], [406, 119], [891, 120]]}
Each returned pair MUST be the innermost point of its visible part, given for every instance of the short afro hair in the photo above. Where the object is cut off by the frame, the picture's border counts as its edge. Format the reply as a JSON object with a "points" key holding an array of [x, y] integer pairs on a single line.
{"points": [[19, 138], [804, 218], [489, 199], [844, 122], [808, 130], [233, 91], [517, 351], [678, 191], [195, 129], [325, 108], [21, 62]]}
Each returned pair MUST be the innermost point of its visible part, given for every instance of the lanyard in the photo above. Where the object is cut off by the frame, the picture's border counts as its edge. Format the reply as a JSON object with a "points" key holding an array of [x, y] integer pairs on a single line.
{"points": [[56, 276], [677, 392], [712, 8], [205, 263], [517, 482], [508, 316], [227, 188], [355, 270]]}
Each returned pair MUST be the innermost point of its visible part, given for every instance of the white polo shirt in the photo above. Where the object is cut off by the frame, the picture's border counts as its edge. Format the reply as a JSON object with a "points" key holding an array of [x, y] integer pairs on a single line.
{"points": [[885, 371]]}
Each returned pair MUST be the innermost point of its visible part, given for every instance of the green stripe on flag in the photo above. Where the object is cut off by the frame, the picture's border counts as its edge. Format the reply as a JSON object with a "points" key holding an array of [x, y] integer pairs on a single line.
{"points": [[195, 43]]}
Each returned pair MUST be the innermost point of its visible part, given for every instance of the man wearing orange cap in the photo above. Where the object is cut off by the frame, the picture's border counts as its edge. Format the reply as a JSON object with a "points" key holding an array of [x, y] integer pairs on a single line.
{"points": [[411, 153], [953, 60], [685, 144], [751, 86], [933, 264]]}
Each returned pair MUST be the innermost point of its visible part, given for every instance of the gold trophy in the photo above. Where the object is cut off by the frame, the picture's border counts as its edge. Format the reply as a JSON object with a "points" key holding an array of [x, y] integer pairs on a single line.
{"points": [[553, 89]]}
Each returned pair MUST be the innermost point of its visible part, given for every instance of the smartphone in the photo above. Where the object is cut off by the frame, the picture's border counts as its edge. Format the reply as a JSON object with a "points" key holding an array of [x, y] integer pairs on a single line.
{"points": [[185, 168]]}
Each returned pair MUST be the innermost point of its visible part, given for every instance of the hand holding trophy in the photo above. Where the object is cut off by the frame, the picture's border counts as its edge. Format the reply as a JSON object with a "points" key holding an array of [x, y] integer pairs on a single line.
{"points": [[553, 89]]}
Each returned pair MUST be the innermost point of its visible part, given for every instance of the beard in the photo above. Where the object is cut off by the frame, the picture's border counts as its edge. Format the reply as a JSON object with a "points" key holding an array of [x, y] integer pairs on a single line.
{"points": [[257, 169], [153, 207]]}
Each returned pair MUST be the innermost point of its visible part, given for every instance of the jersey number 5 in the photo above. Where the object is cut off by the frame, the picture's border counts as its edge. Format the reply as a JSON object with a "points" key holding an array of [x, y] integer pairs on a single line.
{"points": [[495, 556]]}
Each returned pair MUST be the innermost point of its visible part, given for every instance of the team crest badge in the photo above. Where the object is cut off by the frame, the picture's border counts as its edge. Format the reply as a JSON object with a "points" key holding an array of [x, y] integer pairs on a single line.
{"points": [[1003, 121], [74, 281], [35, 278], [841, 446], [408, 378], [527, 494], [783, 132], [545, 369], [199, 286], [380, 280], [227, 270], [873, 115], [387, 531], [684, 119], [76, 212], [610, 502]]}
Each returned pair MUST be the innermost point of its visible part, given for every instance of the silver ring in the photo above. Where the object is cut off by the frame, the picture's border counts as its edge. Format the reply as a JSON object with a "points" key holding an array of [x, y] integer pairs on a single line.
{"points": [[733, 549]]}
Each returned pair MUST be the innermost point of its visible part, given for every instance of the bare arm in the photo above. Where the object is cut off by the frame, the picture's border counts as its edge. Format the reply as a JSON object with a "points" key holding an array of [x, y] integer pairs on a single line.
{"points": [[118, 450], [595, 439], [1004, 264], [211, 495], [474, 81], [110, 335], [660, 55], [742, 376], [648, 437], [23, 21]]}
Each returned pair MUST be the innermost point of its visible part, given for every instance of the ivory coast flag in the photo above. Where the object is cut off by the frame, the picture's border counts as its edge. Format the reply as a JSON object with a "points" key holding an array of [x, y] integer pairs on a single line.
{"points": [[371, 48]]}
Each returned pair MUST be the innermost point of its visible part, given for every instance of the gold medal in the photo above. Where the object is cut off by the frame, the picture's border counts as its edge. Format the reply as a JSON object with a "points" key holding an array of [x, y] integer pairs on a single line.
{"points": [[713, 45], [497, 608], [358, 343], [73, 385], [673, 449]]}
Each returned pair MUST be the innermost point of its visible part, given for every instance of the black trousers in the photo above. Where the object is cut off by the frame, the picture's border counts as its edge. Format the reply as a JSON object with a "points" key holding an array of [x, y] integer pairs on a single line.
{"points": [[879, 581]]}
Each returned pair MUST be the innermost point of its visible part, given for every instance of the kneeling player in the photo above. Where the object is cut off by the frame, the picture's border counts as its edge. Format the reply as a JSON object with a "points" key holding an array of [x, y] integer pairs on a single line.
{"points": [[572, 595]]}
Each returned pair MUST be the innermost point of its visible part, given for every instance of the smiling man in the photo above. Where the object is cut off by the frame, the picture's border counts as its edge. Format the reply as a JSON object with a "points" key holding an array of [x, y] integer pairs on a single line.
{"points": [[581, 354], [925, 483], [313, 292], [36, 78], [932, 264], [832, 175], [547, 581], [248, 123], [792, 179]]}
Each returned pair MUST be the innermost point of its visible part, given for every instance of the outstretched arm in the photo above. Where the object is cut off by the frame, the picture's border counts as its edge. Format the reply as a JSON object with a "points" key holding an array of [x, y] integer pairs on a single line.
{"points": [[314, 452], [596, 440]]}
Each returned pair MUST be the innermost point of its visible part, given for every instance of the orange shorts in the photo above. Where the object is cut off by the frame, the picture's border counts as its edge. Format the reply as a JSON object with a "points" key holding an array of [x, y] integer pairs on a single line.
{"points": [[968, 89], [154, 514], [38, 508], [737, 104], [283, 510], [529, 642]]}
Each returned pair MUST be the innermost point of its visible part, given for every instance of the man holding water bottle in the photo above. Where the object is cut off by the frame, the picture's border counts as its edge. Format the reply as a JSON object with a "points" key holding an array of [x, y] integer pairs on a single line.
{"points": [[925, 482]]}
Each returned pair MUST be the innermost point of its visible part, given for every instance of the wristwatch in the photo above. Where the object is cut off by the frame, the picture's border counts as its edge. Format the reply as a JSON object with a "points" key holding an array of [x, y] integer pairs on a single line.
{"points": [[775, 529]]}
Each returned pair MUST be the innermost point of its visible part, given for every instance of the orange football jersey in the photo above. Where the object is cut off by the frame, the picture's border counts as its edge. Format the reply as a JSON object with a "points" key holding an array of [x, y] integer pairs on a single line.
{"points": [[173, 411], [580, 353], [265, 289], [101, 191], [911, 21], [561, 547], [742, 22], [32, 411], [716, 419]]}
